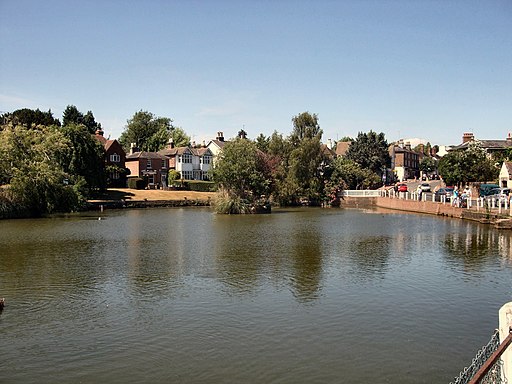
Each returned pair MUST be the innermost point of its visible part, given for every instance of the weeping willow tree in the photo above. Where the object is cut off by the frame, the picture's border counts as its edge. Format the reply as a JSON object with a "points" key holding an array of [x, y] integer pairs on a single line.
{"points": [[33, 181]]}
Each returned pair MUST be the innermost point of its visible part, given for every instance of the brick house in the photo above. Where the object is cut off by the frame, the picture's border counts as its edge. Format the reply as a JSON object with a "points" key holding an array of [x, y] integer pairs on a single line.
{"points": [[115, 159], [405, 162], [152, 166]]}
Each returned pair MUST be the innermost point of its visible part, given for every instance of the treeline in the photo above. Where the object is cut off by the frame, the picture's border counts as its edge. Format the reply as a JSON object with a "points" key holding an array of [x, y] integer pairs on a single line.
{"points": [[297, 169], [47, 166]]}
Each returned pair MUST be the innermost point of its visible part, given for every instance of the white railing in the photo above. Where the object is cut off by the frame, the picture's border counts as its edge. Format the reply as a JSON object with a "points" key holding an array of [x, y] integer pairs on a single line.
{"points": [[495, 205], [362, 193]]}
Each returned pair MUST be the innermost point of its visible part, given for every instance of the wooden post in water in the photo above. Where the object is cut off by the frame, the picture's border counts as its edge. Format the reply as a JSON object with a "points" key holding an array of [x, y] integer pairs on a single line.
{"points": [[505, 318]]}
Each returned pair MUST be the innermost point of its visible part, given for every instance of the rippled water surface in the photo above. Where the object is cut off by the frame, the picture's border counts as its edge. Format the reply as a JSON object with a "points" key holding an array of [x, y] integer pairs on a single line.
{"points": [[298, 296]]}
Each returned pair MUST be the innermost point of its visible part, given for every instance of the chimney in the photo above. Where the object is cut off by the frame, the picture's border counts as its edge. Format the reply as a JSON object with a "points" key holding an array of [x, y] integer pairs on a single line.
{"points": [[133, 148], [193, 144], [99, 132], [467, 136], [329, 141], [204, 144], [509, 139], [408, 145], [170, 143], [220, 136]]}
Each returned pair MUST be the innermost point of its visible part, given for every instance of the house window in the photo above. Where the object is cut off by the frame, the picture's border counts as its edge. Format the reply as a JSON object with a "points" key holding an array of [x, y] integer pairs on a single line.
{"points": [[187, 158], [163, 163], [115, 158], [187, 175], [115, 175], [206, 159], [148, 164]]}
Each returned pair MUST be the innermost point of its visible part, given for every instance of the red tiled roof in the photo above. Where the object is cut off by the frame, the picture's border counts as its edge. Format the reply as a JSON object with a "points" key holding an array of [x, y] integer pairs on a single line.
{"points": [[342, 148]]}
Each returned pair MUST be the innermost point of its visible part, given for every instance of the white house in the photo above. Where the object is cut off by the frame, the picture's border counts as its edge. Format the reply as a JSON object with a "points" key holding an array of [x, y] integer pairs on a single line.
{"points": [[506, 175], [216, 145], [191, 163]]}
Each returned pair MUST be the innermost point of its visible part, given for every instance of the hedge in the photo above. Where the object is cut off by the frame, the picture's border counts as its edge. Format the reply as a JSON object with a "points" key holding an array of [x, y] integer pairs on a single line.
{"points": [[201, 186], [136, 183]]}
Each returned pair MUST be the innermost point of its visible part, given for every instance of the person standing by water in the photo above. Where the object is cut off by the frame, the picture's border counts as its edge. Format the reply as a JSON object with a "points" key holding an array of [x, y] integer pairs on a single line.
{"points": [[419, 191], [455, 202]]}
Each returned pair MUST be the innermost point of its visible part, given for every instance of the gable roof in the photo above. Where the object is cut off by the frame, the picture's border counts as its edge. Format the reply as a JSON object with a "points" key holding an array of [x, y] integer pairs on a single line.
{"points": [[342, 147], [218, 143], [508, 167], [202, 151], [145, 155], [174, 151], [328, 151], [485, 144]]}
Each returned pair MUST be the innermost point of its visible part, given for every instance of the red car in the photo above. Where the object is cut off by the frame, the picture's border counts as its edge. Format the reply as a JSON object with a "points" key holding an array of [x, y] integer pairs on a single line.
{"points": [[402, 187]]}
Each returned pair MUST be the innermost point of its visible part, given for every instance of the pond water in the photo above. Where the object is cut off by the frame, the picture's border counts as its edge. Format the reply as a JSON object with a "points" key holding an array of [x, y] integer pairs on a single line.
{"points": [[298, 296]]}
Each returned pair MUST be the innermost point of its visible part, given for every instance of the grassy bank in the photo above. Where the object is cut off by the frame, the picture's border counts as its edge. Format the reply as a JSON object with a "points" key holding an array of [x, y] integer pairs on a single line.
{"points": [[151, 197]]}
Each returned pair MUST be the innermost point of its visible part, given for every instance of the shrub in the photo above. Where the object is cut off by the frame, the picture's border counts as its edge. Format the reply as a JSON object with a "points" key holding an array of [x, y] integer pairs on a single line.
{"points": [[136, 183], [201, 186], [230, 204]]}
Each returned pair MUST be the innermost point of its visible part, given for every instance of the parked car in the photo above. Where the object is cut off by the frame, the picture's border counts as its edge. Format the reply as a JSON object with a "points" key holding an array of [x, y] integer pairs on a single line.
{"points": [[485, 189], [425, 187], [447, 192], [402, 187], [500, 195]]}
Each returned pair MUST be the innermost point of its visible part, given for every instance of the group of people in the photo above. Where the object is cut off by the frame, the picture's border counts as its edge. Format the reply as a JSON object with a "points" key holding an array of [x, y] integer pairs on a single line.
{"points": [[460, 199]]}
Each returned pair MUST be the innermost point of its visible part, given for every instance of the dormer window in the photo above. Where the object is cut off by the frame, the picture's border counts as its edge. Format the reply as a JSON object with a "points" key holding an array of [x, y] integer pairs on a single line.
{"points": [[115, 158]]}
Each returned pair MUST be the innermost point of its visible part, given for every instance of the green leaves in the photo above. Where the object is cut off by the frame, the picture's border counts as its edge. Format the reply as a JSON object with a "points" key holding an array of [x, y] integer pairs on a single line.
{"points": [[31, 161], [239, 171], [305, 126], [370, 150], [472, 164], [151, 133]]}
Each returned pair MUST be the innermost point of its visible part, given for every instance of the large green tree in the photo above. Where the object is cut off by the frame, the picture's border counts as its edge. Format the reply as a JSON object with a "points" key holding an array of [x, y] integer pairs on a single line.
{"points": [[240, 172], [428, 164], [305, 171], [470, 165], [72, 115], [305, 126], [370, 150], [302, 160], [262, 142], [348, 174], [151, 133], [30, 166], [29, 118], [85, 157]]}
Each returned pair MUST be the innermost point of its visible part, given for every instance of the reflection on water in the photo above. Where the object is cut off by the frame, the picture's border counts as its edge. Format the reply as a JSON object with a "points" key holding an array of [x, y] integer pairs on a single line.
{"points": [[298, 296]]}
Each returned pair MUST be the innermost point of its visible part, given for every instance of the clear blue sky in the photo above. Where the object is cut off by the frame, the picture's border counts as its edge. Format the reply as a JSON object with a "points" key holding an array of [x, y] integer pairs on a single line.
{"points": [[411, 69]]}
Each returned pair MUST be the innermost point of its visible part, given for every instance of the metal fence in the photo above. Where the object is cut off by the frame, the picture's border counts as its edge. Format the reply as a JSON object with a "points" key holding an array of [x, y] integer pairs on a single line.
{"points": [[494, 373]]}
